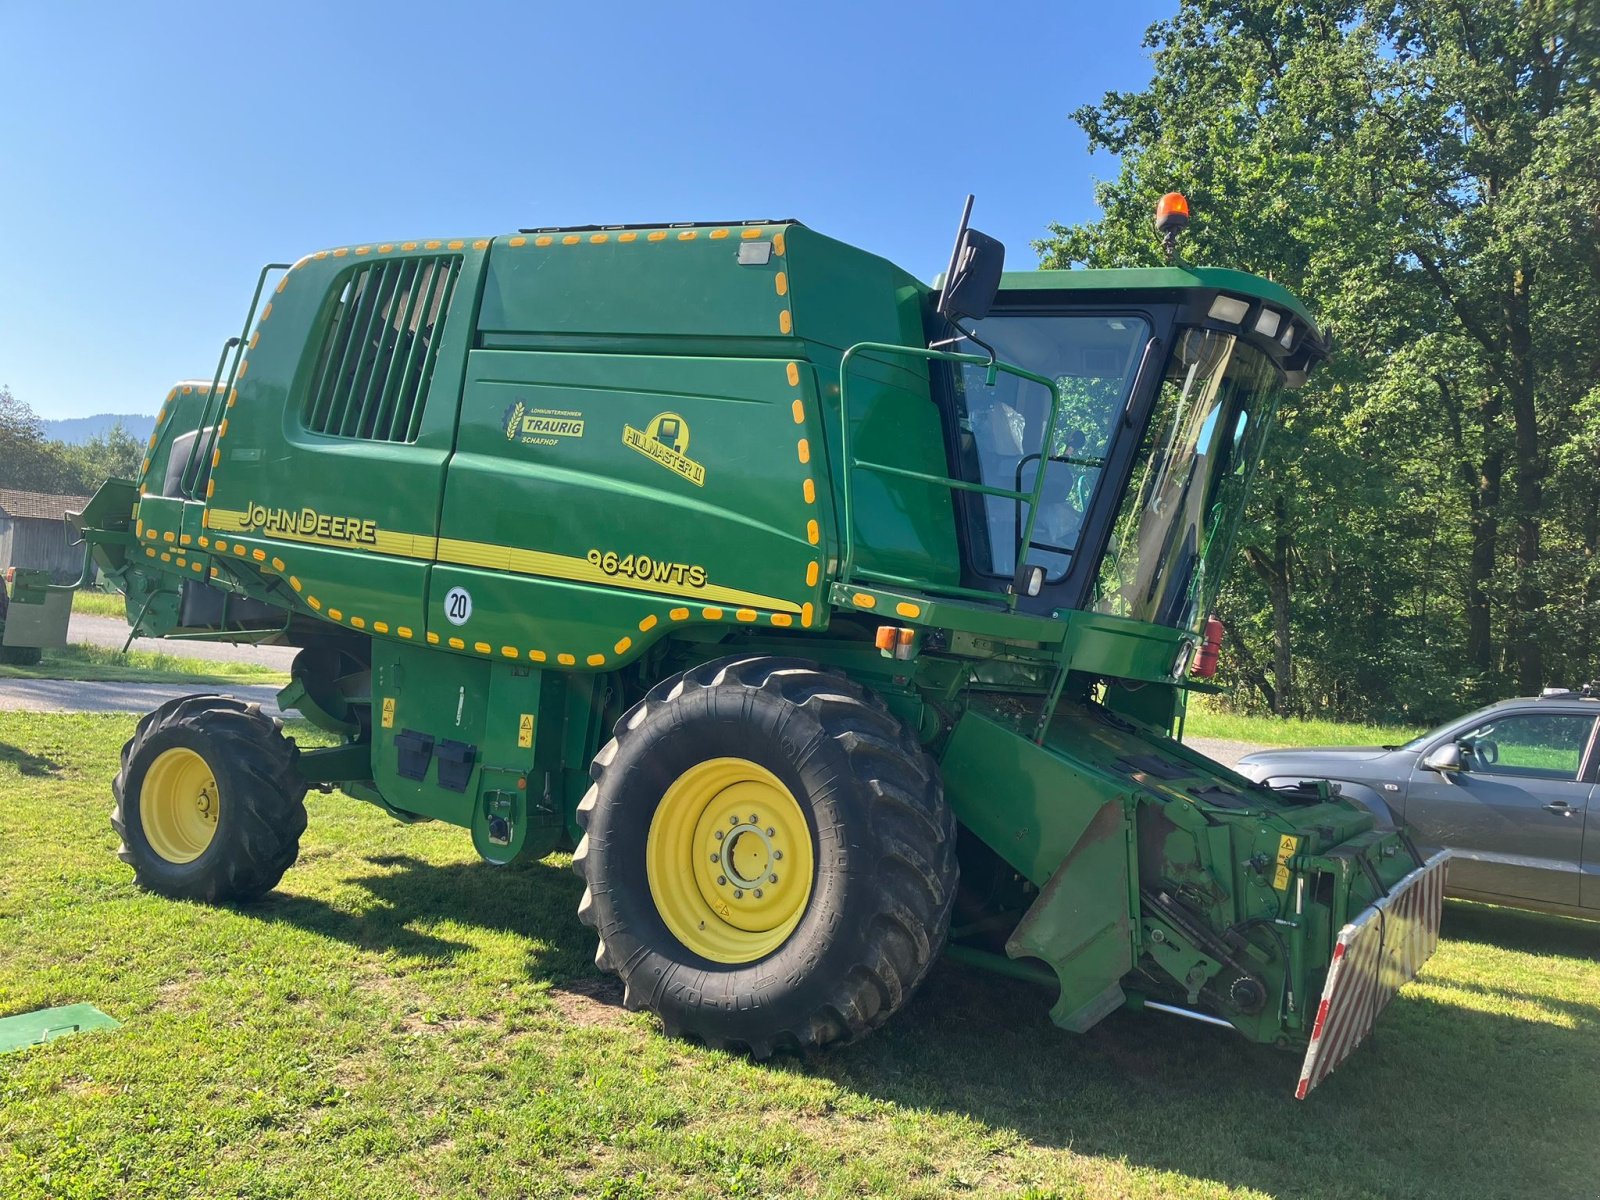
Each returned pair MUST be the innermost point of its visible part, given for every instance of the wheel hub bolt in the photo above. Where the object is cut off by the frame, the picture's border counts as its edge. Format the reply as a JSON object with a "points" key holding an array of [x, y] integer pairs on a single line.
{"points": [[738, 894], [720, 835], [758, 893], [754, 820], [716, 858], [722, 881], [772, 879], [776, 855]]}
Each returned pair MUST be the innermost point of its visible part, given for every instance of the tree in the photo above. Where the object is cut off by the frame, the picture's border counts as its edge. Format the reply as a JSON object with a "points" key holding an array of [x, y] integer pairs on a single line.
{"points": [[1427, 173], [27, 461], [116, 454], [30, 463]]}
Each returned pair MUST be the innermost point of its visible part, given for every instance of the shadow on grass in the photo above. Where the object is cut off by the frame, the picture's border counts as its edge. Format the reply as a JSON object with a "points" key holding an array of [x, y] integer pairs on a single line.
{"points": [[1443, 1100], [30, 765], [1520, 930], [414, 898]]}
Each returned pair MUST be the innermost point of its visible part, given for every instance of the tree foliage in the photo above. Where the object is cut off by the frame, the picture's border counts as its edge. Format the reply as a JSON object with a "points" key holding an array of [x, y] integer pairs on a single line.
{"points": [[30, 463], [1426, 530]]}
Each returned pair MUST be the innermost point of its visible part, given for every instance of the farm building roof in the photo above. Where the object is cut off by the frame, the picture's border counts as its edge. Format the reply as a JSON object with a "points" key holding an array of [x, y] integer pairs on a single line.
{"points": [[38, 504]]}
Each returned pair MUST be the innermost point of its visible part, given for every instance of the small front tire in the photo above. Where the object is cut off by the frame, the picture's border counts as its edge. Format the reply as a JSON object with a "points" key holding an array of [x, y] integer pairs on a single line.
{"points": [[209, 805]]}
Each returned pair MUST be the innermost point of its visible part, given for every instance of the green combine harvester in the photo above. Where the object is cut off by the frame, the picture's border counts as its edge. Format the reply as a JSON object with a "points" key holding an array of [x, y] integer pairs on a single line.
{"points": [[833, 620]]}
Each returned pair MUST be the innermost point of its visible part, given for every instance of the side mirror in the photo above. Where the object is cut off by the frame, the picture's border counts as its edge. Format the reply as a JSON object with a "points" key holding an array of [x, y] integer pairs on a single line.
{"points": [[973, 280], [970, 289], [1447, 758]]}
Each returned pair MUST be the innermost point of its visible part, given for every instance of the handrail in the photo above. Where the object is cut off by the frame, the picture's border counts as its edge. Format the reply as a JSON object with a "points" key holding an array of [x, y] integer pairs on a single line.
{"points": [[189, 485], [847, 568]]}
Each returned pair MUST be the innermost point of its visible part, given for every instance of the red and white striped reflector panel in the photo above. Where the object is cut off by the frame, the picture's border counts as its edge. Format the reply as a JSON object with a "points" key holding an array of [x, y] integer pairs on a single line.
{"points": [[1376, 955]]}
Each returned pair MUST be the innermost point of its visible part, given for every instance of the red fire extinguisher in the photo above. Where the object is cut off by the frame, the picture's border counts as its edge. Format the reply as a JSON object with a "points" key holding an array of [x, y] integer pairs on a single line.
{"points": [[1205, 663]]}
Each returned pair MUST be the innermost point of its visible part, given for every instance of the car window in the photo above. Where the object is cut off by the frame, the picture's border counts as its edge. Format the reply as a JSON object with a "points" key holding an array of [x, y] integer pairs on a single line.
{"points": [[1417, 743], [1536, 745]]}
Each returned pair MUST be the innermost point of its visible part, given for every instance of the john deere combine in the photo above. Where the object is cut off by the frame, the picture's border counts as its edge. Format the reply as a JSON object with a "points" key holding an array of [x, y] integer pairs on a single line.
{"points": [[834, 621]]}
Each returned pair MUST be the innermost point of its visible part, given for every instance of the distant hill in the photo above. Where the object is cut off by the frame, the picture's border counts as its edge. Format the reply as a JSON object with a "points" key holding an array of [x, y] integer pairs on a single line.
{"points": [[78, 430]]}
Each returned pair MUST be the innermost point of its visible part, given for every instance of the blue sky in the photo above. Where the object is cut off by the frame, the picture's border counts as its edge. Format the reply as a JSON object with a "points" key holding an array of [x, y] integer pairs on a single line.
{"points": [[154, 155]]}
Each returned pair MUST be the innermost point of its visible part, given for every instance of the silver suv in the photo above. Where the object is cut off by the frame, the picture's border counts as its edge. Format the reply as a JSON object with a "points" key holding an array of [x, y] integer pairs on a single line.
{"points": [[1513, 789]]}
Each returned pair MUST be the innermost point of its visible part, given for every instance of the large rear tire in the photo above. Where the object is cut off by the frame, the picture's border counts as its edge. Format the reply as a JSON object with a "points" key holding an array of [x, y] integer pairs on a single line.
{"points": [[768, 856], [209, 805]]}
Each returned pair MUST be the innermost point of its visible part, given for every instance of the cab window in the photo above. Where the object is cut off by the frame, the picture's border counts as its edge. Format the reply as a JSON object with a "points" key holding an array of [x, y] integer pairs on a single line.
{"points": [[1001, 430]]}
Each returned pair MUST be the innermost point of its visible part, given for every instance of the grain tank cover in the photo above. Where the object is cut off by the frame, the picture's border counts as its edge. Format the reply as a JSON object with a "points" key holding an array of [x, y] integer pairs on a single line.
{"points": [[765, 282]]}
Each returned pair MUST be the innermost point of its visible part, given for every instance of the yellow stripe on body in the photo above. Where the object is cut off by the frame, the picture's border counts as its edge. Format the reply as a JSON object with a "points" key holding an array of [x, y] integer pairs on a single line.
{"points": [[581, 570], [510, 559]]}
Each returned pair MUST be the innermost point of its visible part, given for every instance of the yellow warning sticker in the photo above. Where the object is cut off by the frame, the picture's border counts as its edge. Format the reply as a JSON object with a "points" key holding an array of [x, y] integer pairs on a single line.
{"points": [[388, 712], [1286, 848], [525, 731]]}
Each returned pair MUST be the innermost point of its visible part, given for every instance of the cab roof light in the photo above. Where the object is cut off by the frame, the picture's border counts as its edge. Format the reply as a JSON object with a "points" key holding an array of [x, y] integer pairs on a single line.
{"points": [[1287, 340], [1172, 218], [1268, 321], [1172, 213], [1230, 309]]}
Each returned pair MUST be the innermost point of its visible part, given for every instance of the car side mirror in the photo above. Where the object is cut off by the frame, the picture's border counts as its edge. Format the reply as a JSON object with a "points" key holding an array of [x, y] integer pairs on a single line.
{"points": [[1447, 758]]}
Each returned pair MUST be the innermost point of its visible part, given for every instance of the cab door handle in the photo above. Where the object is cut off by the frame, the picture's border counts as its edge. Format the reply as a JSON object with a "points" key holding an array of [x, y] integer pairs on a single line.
{"points": [[1560, 806]]}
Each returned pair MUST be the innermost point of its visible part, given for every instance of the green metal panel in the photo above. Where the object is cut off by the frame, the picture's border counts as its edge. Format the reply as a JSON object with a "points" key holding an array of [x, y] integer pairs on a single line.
{"points": [[658, 477], [442, 696], [311, 501], [1063, 823], [38, 613], [1029, 803], [843, 296], [1122, 649], [1081, 924]]}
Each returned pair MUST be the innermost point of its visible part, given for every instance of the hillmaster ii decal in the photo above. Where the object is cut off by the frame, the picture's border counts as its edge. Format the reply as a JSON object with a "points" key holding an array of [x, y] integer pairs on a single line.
{"points": [[541, 426], [665, 441]]}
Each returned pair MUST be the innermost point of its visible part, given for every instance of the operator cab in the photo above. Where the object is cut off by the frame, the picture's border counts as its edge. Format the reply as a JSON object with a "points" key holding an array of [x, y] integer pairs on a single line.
{"points": [[1167, 380]]}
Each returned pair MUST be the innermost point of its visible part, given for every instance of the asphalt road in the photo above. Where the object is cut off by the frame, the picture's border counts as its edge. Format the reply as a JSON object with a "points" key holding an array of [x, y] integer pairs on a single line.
{"points": [[113, 631], [1227, 753], [63, 695]]}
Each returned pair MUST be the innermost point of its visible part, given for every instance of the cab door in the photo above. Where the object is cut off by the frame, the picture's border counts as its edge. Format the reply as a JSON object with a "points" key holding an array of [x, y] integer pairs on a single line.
{"points": [[1515, 814]]}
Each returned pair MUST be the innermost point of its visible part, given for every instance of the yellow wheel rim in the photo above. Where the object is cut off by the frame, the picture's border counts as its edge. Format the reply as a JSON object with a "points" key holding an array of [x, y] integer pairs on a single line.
{"points": [[730, 861], [178, 805]]}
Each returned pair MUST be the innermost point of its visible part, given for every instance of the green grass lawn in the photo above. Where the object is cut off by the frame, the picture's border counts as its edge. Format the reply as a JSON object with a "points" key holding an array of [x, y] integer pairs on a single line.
{"points": [[401, 1020], [101, 663], [1205, 722], [100, 604]]}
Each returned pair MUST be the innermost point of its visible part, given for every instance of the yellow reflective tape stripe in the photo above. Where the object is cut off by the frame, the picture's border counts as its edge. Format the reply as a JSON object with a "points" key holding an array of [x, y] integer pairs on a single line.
{"points": [[581, 570], [501, 558]]}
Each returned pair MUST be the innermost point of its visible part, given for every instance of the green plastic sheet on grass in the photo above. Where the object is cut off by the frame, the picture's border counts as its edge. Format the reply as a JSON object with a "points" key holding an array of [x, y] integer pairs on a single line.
{"points": [[47, 1024]]}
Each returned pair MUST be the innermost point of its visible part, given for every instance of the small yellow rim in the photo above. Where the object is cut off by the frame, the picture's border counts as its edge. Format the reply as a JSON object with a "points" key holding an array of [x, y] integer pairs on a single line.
{"points": [[730, 860], [178, 805]]}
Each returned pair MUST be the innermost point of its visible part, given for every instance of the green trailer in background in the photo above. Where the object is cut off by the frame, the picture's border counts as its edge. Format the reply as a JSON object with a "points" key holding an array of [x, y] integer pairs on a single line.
{"points": [[832, 620]]}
